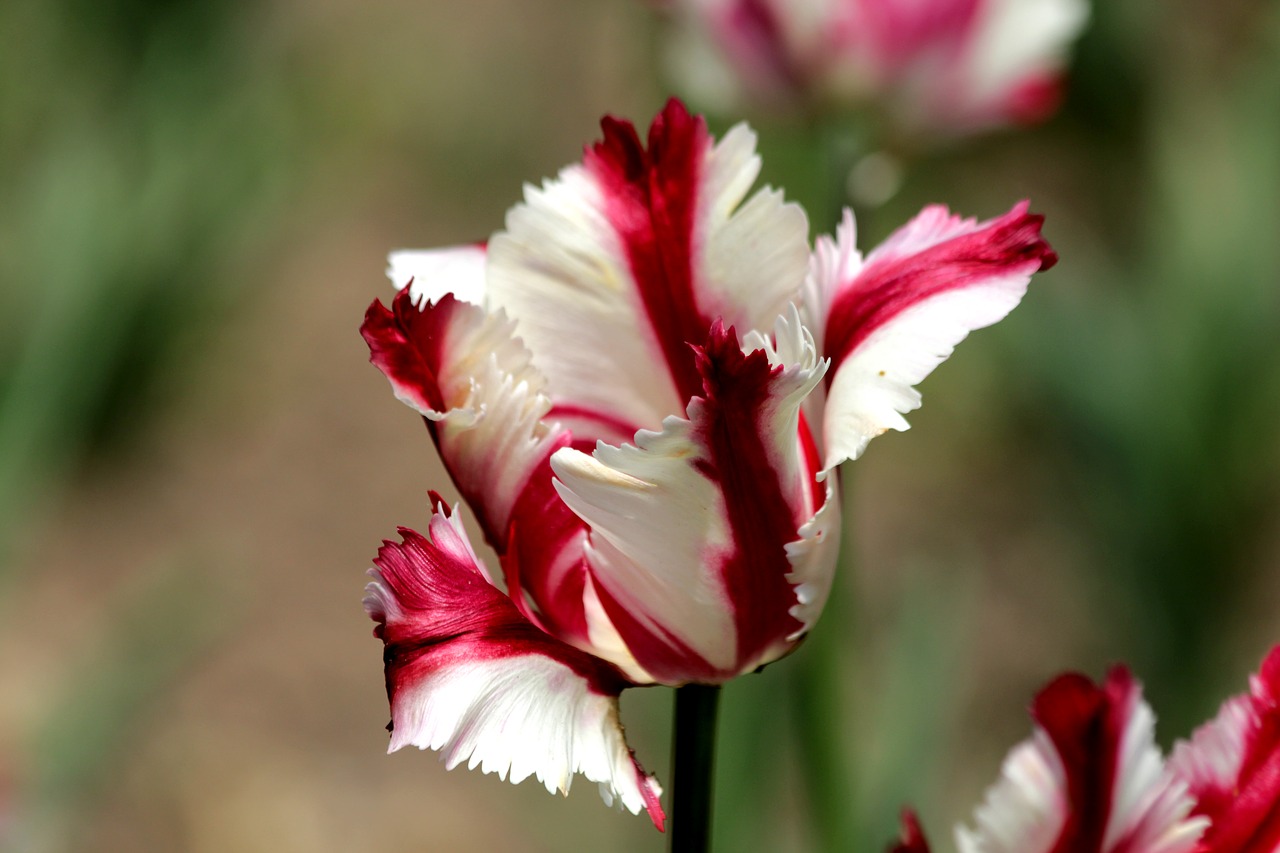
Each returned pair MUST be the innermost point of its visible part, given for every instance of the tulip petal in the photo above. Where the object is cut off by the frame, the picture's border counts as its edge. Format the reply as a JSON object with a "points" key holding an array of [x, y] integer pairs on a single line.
{"points": [[895, 317], [469, 676], [693, 528], [1025, 810], [612, 269], [1232, 767], [431, 273], [1089, 780], [461, 369]]}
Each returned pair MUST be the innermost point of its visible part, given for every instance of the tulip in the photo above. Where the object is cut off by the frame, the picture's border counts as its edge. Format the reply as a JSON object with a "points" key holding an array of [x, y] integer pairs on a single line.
{"points": [[1231, 766], [941, 66], [642, 387], [1091, 779]]}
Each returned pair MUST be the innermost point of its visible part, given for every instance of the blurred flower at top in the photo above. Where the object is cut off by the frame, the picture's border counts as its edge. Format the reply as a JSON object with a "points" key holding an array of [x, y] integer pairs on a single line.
{"points": [[1092, 780], [642, 388], [948, 67]]}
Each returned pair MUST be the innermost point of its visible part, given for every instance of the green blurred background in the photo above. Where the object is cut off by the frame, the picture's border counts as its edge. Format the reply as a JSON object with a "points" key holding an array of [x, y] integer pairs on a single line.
{"points": [[197, 462]]}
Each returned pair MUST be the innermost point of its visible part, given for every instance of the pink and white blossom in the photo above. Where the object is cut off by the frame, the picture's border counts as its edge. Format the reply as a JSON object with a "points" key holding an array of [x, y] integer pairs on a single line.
{"points": [[641, 388], [954, 66], [1091, 780]]}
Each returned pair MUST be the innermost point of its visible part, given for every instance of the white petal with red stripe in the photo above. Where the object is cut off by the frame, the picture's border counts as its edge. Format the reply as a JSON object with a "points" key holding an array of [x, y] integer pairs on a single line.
{"points": [[890, 320], [612, 269], [694, 528], [1149, 812], [813, 555], [462, 369], [469, 676], [1089, 780]]}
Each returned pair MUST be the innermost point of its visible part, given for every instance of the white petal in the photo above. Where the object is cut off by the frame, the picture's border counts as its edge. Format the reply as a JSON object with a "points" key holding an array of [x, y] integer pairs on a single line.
{"points": [[753, 261], [1149, 811], [520, 717], [1025, 810], [470, 676], [561, 271], [434, 272], [875, 385], [890, 320], [653, 518]]}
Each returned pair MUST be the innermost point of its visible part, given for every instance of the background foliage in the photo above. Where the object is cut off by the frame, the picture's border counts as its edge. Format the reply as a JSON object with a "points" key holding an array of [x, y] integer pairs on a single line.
{"points": [[196, 462]]}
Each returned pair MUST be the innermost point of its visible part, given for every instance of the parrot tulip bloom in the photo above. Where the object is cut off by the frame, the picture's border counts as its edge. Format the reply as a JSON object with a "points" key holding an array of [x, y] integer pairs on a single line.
{"points": [[941, 65], [1091, 779], [630, 389], [1231, 766]]}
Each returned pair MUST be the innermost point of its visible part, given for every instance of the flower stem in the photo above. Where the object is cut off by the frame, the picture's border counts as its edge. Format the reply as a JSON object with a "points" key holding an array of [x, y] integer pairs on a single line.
{"points": [[692, 761]]}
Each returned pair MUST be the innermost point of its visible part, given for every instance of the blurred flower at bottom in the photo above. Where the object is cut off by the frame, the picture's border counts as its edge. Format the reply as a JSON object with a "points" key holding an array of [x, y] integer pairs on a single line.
{"points": [[1092, 780]]}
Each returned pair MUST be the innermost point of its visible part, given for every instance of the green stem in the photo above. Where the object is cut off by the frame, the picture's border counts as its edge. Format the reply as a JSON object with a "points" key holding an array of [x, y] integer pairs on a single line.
{"points": [[821, 721], [692, 761]]}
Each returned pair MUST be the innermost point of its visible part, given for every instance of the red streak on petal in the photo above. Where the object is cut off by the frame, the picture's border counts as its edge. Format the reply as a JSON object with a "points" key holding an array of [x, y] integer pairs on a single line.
{"points": [[598, 425], [405, 344], [1086, 723], [669, 660], [812, 462], [737, 390], [886, 287], [447, 614], [450, 613], [408, 345], [652, 198], [546, 586], [652, 803]]}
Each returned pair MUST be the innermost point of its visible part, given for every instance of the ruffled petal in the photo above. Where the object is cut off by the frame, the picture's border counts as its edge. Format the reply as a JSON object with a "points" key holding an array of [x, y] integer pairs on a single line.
{"points": [[431, 273], [1232, 767], [612, 269], [695, 528], [461, 369], [1090, 780], [469, 676], [889, 321]]}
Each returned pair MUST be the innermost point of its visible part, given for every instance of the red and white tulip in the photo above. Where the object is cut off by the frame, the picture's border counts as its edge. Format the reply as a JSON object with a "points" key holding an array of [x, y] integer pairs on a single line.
{"points": [[641, 387], [1231, 766], [941, 65], [1091, 779]]}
